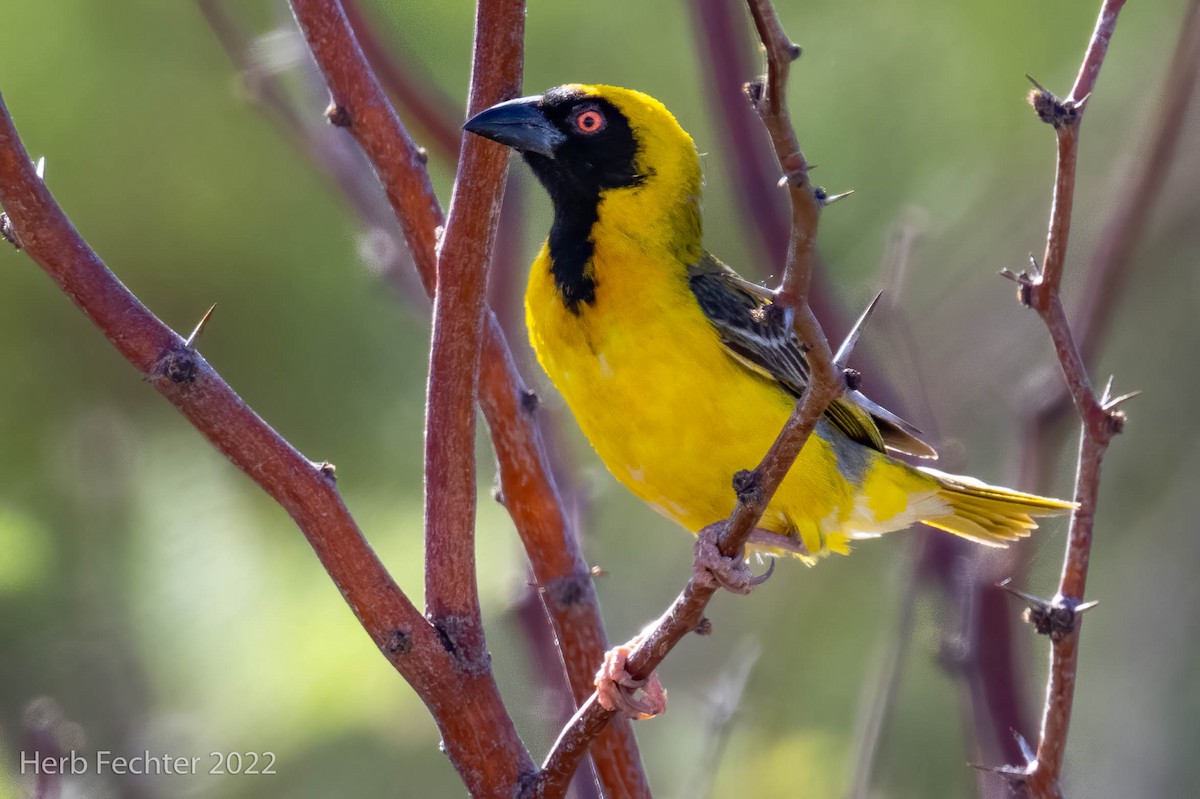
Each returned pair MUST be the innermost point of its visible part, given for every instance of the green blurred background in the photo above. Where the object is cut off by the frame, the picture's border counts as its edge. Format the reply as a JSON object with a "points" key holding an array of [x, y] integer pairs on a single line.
{"points": [[161, 601]]}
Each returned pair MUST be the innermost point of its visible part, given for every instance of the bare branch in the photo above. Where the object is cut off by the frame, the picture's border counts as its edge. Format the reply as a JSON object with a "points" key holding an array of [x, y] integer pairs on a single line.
{"points": [[1059, 618], [451, 591], [304, 489]]}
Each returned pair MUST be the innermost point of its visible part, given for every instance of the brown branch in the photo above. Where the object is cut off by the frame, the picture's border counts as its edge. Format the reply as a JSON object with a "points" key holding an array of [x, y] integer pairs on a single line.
{"points": [[304, 489], [531, 496], [451, 590], [1106, 277], [1100, 419], [754, 489], [751, 165]]}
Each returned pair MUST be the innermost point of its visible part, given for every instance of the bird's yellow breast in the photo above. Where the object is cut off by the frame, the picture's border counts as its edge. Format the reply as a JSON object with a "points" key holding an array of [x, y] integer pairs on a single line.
{"points": [[670, 413]]}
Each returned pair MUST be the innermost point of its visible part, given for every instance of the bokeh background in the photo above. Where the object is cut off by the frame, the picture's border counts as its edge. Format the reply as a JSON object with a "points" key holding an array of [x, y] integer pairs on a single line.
{"points": [[152, 598]]}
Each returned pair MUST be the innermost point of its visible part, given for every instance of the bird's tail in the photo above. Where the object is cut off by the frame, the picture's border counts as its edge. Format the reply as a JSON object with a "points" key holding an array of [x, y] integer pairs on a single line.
{"points": [[987, 514]]}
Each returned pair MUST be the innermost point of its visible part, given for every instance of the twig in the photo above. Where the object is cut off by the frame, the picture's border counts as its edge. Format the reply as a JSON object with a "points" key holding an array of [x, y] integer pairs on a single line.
{"points": [[754, 489], [464, 258], [1100, 418], [305, 489], [1106, 276], [531, 497], [751, 166]]}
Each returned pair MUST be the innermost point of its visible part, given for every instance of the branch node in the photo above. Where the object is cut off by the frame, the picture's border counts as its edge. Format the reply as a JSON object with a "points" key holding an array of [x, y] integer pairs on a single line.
{"points": [[530, 401], [748, 486], [177, 365], [1026, 281], [423, 155], [1050, 109], [498, 495], [338, 115], [753, 89], [1056, 618], [703, 627], [6, 230], [568, 590], [327, 470], [853, 379], [462, 638], [794, 51], [398, 642]]}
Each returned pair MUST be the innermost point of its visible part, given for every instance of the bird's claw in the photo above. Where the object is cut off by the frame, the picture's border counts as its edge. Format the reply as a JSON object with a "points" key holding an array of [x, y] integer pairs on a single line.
{"points": [[618, 691], [713, 568]]}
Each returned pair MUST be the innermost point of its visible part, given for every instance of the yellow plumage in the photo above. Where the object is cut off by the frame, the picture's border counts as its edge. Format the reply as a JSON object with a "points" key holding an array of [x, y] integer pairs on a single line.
{"points": [[669, 408]]}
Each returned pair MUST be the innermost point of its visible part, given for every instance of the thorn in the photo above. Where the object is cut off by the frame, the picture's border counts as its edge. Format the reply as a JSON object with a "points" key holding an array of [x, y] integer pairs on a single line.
{"points": [[1026, 751], [1113, 403], [1034, 268], [40, 168], [199, 329], [1079, 104], [853, 379], [851, 340], [1086, 606], [1006, 584], [598, 571], [1014, 772], [1104, 395], [829, 199], [1036, 85]]}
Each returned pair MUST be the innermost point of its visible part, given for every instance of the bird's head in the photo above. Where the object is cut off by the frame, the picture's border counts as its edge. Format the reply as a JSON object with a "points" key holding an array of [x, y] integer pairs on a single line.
{"points": [[590, 144]]}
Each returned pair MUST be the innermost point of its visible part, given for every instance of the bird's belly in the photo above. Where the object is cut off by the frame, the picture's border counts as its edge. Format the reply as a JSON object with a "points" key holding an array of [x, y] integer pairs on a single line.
{"points": [[674, 417]]}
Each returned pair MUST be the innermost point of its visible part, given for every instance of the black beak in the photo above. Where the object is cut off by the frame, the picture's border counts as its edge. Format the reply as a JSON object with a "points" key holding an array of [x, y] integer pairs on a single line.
{"points": [[519, 124]]}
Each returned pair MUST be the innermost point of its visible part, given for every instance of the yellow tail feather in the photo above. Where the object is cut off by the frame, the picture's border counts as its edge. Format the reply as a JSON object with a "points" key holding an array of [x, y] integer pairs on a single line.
{"points": [[987, 514]]}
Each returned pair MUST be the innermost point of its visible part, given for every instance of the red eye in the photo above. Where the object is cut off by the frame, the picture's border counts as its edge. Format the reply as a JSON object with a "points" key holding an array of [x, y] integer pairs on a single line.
{"points": [[590, 121]]}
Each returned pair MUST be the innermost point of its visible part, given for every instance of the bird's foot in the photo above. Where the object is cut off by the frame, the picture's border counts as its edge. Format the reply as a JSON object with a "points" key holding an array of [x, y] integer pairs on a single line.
{"points": [[618, 691], [713, 568]]}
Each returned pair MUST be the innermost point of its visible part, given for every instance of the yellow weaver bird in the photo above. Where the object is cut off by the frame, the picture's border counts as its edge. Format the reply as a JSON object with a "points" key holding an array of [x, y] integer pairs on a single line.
{"points": [[679, 371]]}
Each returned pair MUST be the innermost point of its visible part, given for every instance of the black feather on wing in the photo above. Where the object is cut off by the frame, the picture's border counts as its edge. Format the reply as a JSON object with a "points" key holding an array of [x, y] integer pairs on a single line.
{"points": [[759, 335]]}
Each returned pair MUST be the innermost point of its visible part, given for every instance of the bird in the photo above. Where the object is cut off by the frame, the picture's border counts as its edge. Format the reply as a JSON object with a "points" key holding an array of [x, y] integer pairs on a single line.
{"points": [[680, 372]]}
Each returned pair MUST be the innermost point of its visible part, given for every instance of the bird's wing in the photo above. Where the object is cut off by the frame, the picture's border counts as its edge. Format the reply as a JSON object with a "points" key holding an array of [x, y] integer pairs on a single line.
{"points": [[758, 334]]}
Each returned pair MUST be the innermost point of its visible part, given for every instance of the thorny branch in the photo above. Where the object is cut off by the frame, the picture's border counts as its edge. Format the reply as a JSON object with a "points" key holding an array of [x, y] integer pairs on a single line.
{"points": [[306, 490], [1101, 420], [754, 489], [526, 483]]}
